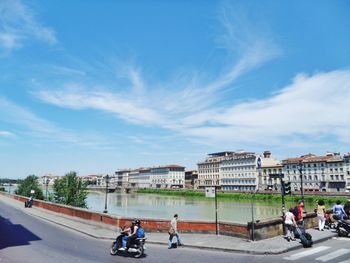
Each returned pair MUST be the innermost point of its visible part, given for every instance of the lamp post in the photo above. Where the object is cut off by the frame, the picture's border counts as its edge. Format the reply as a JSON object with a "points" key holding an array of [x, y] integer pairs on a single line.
{"points": [[216, 212], [301, 180], [46, 186], [107, 178]]}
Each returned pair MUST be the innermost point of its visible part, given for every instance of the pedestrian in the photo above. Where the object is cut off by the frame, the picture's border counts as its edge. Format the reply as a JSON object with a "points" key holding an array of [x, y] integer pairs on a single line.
{"points": [[338, 211], [290, 224], [320, 210], [174, 232], [300, 211], [347, 208]]}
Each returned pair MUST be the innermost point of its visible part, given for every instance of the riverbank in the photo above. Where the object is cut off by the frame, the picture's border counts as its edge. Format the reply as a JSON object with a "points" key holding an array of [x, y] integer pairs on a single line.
{"points": [[244, 196]]}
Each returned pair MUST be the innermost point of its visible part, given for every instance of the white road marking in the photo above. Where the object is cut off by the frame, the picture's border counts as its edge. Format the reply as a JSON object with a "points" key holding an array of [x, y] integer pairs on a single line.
{"points": [[334, 254], [306, 253], [342, 238]]}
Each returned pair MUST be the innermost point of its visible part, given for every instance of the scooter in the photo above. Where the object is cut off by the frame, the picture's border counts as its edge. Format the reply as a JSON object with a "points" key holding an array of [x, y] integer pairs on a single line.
{"points": [[343, 228], [137, 249]]}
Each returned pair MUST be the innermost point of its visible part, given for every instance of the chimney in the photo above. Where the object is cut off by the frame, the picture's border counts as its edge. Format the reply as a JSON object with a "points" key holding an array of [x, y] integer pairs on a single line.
{"points": [[267, 154]]}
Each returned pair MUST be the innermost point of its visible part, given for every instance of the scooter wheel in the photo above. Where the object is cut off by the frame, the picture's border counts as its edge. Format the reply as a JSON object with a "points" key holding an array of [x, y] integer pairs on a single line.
{"points": [[139, 252]]}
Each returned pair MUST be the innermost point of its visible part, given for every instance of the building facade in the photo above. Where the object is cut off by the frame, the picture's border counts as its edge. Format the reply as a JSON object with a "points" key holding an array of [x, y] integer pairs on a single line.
{"points": [[171, 176], [209, 169], [122, 177], [347, 170], [191, 179], [238, 171], [271, 172], [319, 173]]}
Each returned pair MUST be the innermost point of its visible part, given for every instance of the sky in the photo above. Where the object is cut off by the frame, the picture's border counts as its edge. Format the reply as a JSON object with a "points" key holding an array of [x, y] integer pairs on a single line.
{"points": [[95, 86]]}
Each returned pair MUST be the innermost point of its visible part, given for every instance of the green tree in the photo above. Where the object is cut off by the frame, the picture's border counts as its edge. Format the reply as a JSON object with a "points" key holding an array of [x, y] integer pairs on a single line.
{"points": [[70, 190], [30, 183]]}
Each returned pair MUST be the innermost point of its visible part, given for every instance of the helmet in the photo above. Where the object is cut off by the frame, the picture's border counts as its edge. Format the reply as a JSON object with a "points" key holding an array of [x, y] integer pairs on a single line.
{"points": [[135, 222]]}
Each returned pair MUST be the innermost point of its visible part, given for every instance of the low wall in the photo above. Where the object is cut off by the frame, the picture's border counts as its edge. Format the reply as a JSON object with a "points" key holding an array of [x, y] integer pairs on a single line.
{"points": [[262, 229]]}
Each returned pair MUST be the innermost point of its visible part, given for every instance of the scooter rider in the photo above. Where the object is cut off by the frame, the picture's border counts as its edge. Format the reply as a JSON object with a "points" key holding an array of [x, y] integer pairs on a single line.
{"points": [[135, 224]]}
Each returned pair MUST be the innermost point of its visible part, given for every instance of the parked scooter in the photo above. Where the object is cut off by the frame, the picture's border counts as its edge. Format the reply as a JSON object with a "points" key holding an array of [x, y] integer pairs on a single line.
{"points": [[137, 249], [343, 228]]}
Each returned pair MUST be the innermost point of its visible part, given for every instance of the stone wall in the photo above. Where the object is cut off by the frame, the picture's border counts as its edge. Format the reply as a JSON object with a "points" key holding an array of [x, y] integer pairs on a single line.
{"points": [[262, 229]]}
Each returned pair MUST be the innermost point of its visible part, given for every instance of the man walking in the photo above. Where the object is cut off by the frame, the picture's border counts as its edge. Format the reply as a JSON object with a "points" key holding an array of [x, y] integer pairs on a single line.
{"points": [[173, 232]]}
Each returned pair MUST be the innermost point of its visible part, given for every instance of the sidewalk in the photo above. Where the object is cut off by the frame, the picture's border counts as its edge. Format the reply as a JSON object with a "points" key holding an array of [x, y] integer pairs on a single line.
{"points": [[276, 245]]}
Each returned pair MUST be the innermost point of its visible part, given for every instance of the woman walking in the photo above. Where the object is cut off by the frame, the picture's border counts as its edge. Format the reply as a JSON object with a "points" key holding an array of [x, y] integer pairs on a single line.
{"points": [[320, 210], [290, 223]]}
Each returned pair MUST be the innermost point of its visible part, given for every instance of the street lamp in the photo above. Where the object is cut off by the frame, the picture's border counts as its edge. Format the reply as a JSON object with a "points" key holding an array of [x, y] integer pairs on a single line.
{"points": [[46, 185], [301, 180], [107, 178]]}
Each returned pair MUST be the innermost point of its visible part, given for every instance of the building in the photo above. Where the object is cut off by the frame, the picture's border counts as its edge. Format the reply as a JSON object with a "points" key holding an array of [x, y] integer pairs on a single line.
{"points": [[238, 171], [319, 173], [139, 178], [209, 169], [347, 170], [90, 179], [122, 177], [271, 172], [48, 179], [191, 179], [170, 176]]}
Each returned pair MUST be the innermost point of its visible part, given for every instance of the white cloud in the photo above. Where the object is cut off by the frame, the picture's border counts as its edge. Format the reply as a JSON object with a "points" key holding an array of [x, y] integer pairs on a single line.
{"points": [[314, 106], [30, 124], [18, 24], [6, 134]]}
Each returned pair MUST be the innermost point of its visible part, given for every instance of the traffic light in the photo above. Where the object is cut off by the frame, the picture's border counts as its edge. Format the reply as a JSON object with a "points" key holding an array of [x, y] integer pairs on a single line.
{"points": [[287, 188]]}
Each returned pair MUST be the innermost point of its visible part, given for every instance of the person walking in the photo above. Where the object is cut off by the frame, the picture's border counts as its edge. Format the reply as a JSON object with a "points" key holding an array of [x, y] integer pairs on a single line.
{"points": [[290, 224], [338, 211], [320, 210], [347, 208], [299, 216], [173, 232]]}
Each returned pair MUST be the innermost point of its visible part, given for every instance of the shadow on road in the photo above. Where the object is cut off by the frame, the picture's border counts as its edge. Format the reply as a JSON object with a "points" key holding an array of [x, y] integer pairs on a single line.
{"points": [[14, 235]]}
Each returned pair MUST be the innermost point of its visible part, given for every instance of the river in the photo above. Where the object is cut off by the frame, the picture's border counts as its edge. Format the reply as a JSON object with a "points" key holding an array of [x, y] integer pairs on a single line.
{"points": [[188, 208]]}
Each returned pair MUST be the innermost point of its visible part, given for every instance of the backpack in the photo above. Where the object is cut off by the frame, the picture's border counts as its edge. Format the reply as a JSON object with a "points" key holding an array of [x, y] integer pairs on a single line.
{"points": [[295, 211], [140, 232]]}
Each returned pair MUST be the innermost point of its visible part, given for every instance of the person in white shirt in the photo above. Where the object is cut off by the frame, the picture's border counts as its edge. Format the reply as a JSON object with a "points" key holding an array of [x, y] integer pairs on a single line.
{"points": [[289, 222], [173, 232]]}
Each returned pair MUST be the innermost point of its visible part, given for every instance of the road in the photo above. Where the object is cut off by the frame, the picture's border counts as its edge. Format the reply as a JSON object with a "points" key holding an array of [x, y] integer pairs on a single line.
{"points": [[24, 238]]}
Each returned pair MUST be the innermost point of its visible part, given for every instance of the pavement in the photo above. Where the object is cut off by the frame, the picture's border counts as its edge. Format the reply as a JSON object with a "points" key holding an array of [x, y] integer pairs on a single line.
{"points": [[275, 245]]}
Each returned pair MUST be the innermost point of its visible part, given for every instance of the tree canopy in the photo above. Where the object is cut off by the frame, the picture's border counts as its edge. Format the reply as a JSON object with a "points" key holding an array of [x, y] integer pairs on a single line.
{"points": [[70, 190], [30, 183]]}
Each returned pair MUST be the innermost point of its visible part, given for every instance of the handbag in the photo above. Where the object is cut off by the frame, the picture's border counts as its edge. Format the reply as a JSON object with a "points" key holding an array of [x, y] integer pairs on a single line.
{"points": [[171, 231]]}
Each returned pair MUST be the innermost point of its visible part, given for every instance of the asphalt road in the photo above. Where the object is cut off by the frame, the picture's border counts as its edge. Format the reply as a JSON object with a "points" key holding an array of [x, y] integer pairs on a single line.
{"points": [[24, 238]]}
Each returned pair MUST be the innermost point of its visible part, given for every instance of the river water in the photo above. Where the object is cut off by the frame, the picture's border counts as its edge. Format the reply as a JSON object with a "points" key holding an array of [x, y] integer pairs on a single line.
{"points": [[164, 207], [189, 208]]}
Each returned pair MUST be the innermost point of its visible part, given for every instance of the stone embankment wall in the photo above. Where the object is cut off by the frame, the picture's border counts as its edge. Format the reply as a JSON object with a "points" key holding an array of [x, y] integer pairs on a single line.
{"points": [[262, 229]]}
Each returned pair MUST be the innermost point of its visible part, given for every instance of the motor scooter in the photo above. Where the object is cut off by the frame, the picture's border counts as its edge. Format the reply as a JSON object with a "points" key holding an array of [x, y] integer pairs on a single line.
{"points": [[136, 249], [343, 228]]}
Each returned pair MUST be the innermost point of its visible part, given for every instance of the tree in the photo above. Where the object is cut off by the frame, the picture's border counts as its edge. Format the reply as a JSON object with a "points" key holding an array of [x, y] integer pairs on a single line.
{"points": [[30, 183], [70, 190]]}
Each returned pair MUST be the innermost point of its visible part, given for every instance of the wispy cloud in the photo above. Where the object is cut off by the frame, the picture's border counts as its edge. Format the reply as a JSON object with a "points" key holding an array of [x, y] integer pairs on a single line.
{"points": [[30, 124], [190, 106], [18, 24], [6, 134], [313, 106]]}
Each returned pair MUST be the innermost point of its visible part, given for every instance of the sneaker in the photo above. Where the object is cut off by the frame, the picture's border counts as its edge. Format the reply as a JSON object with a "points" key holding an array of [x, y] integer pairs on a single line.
{"points": [[122, 249]]}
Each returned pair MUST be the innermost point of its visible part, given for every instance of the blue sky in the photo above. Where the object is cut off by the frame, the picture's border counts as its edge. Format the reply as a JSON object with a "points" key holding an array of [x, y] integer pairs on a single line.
{"points": [[95, 86]]}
